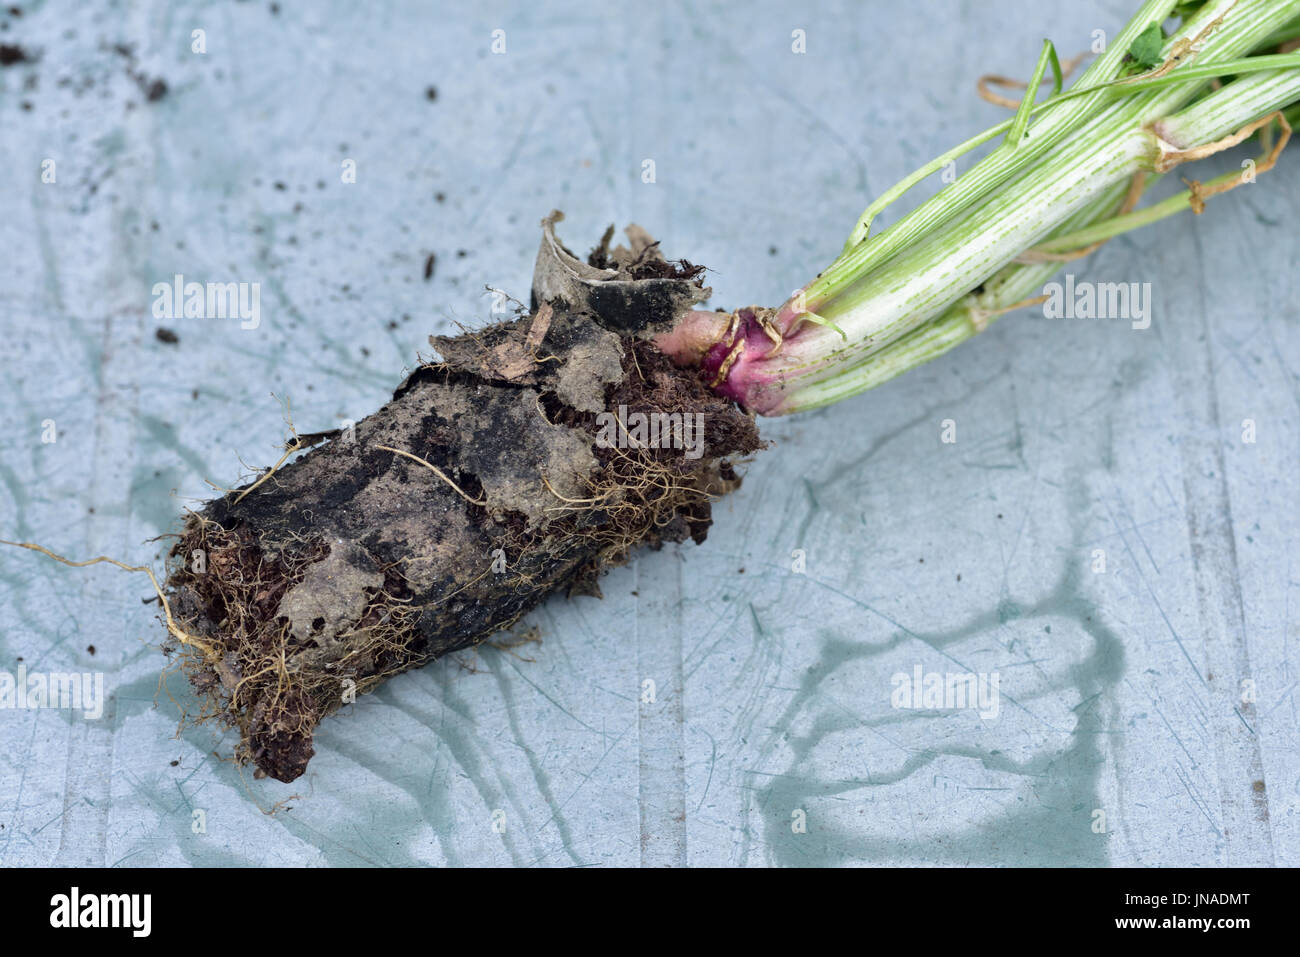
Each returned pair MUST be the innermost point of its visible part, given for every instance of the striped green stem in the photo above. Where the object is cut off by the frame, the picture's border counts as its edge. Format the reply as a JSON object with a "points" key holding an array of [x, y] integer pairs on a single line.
{"points": [[897, 299]]}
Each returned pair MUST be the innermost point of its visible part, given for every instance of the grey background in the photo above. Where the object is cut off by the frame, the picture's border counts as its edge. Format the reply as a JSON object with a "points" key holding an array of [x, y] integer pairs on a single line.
{"points": [[1120, 691]]}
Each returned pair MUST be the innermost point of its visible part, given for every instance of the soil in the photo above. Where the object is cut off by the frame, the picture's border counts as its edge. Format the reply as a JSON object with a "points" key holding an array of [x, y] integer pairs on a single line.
{"points": [[11, 53], [473, 495]]}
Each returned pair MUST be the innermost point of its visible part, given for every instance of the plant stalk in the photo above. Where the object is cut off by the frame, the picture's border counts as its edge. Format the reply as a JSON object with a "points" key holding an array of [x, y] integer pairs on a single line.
{"points": [[942, 273]]}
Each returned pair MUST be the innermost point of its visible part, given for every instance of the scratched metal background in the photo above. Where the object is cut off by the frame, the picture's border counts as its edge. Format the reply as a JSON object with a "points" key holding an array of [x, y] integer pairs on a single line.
{"points": [[1120, 690]]}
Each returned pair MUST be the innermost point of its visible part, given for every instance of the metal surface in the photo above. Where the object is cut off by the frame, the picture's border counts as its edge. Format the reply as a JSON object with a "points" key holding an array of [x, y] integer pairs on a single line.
{"points": [[768, 735]]}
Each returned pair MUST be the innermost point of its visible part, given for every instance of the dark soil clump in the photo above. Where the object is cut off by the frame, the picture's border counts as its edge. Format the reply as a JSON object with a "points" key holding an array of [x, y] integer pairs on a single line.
{"points": [[11, 54], [486, 484]]}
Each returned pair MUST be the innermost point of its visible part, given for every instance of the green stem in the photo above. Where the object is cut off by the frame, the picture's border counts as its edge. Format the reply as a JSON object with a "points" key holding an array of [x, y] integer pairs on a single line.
{"points": [[879, 292], [995, 168], [1021, 122], [964, 319], [1283, 36], [1115, 89]]}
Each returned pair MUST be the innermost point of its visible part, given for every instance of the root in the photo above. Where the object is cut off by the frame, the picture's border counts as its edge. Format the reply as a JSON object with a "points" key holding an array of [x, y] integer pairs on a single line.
{"points": [[639, 494], [438, 472], [529, 636], [1171, 158], [263, 672], [1010, 83], [290, 449], [175, 630], [259, 677], [1193, 197], [980, 318], [347, 567], [298, 444]]}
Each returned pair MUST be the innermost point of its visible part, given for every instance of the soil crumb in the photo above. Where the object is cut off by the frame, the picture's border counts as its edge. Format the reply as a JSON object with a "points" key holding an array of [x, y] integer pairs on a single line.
{"points": [[12, 53]]}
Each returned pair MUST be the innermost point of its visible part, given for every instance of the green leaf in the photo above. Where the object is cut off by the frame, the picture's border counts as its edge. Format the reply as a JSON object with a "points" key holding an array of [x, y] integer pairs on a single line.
{"points": [[1145, 50]]}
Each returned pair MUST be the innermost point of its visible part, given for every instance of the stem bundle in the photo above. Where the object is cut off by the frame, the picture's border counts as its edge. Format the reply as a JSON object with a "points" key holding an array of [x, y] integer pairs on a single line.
{"points": [[1065, 178]]}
